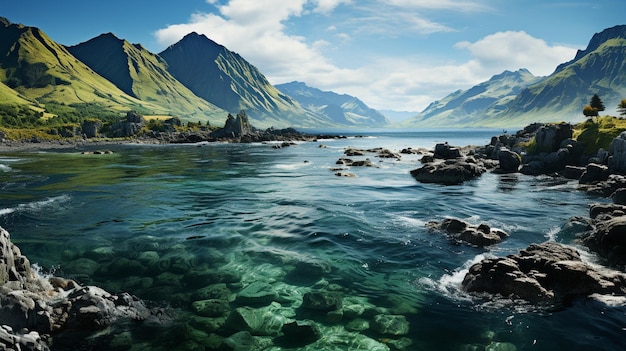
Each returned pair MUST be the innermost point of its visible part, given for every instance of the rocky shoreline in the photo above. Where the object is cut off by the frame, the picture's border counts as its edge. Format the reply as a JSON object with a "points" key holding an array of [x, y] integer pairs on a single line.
{"points": [[35, 308]]}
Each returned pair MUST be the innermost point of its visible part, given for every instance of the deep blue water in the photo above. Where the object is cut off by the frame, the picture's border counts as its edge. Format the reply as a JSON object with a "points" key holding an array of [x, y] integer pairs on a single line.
{"points": [[258, 211]]}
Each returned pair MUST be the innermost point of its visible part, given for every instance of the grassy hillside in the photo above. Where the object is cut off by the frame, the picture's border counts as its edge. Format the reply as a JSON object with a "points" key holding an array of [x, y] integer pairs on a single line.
{"points": [[43, 71], [144, 75]]}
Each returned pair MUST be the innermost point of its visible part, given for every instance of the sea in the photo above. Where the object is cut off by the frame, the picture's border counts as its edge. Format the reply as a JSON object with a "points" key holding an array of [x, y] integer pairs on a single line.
{"points": [[173, 224]]}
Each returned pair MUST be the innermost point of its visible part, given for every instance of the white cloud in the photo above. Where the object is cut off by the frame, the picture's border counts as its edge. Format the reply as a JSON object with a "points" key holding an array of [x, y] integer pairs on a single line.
{"points": [[258, 31], [514, 50], [451, 5], [326, 6]]}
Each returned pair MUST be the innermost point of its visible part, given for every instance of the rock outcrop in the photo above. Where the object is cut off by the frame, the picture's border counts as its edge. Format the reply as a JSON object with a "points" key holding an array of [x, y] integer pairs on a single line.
{"points": [[53, 305], [607, 232], [542, 273]]}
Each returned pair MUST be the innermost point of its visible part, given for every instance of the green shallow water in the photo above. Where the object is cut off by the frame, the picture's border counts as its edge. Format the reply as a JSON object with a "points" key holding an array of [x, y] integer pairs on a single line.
{"points": [[176, 225]]}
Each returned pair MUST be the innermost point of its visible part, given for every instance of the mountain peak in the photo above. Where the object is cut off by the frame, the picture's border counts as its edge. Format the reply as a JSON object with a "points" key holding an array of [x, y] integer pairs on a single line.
{"points": [[5, 21], [194, 37], [598, 39]]}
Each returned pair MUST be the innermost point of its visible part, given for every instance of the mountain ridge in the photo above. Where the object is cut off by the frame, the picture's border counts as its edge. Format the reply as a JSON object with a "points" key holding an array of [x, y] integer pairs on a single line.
{"points": [[341, 108], [143, 75]]}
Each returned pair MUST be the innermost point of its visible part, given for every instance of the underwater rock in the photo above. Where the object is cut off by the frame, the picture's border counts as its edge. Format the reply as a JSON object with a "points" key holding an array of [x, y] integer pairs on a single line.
{"points": [[214, 291], [322, 300], [51, 305], [211, 308], [257, 293], [390, 324], [298, 334], [480, 235], [258, 321]]}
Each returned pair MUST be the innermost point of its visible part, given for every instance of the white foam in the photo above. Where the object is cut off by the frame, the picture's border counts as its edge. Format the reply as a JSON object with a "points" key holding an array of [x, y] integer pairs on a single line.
{"points": [[450, 284], [36, 206], [5, 168]]}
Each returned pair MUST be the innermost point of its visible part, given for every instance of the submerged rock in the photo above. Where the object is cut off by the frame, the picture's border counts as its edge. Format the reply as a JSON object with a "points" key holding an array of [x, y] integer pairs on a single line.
{"points": [[53, 305]]}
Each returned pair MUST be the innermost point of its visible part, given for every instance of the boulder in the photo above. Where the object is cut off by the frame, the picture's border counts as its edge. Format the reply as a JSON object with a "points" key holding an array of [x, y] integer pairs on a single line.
{"points": [[608, 236], [617, 154], [298, 334], [594, 173], [477, 235], [445, 173], [509, 161], [549, 137], [549, 272], [446, 152]]}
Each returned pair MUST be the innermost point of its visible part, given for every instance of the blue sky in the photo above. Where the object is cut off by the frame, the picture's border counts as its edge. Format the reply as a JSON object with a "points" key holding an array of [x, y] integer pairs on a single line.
{"points": [[392, 54]]}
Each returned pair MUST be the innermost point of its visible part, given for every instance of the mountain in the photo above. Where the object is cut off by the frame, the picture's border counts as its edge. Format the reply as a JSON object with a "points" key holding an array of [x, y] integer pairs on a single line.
{"points": [[41, 70], [599, 69], [223, 77], [474, 106], [144, 75], [341, 109]]}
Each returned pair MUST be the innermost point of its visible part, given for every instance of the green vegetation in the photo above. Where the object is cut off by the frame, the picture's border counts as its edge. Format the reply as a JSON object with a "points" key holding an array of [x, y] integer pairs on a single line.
{"points": [[621, 107], [599, 134], [595, 106]]}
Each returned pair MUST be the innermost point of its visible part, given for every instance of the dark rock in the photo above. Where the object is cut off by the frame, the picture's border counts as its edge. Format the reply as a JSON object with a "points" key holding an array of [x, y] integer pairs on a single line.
{"points": [[298, 334], [509, 161], [619, 196], [322, 300], [549, 137], [481, 235], [448, 173], [547, 272], [573, 172], [617, 152], [594, 173], [446, 151], [57, 304], [354, 152]]}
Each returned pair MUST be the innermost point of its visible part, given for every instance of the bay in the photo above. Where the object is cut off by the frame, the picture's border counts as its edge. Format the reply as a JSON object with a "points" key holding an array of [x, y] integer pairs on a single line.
{"points": [[143, 217]]}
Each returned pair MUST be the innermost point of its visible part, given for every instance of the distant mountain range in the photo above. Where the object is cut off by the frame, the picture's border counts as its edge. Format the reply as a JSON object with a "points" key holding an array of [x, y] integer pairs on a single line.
{"points": [[339, 108], [515, 99], [197, 79]]}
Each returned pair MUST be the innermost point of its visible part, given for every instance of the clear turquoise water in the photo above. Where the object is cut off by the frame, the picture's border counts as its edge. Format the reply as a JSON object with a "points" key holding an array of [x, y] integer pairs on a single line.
{"points": [[256, 211]]}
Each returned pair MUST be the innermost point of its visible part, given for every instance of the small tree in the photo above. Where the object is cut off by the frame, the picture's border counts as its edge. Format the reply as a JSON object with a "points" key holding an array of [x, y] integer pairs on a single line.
{"points": [[621, 107], [596, 103], [589, 111]]}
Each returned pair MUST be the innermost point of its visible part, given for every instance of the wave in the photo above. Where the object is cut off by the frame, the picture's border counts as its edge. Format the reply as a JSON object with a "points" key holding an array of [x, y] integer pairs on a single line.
{"points": [[36, 206], [449, 285], [5, 168]]}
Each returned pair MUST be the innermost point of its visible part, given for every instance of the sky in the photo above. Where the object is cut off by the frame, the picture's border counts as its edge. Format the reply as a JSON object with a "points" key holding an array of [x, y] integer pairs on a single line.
{"points": [[392, 54]]}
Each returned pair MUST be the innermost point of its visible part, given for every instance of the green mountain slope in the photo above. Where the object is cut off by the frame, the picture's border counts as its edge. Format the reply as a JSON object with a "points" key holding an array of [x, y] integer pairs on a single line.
{"points": [[226, 79], [474, 106], [143, 75], [600, 69], [42, 70]]}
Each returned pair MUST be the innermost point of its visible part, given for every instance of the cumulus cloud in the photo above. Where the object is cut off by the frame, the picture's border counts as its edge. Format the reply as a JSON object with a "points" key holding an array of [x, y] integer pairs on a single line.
{"points": [[260, 32], [514, 50]]}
